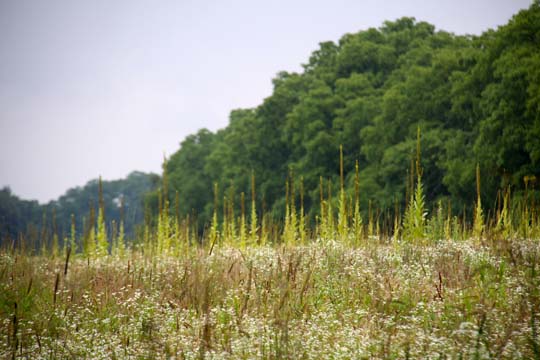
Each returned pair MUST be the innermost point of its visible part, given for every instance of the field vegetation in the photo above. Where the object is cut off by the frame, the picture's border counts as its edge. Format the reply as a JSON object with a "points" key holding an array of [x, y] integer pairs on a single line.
{"points": [[417, 237], [428, 287]]}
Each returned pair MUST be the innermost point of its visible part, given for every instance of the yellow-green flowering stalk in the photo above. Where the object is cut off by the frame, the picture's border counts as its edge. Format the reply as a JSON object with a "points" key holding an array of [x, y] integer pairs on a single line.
{"points": [[343, 226], [414, 225], [243, 230], [253, 237], [214, 231], [357, 217], [478, 226], [302, 220], [101, 230]]}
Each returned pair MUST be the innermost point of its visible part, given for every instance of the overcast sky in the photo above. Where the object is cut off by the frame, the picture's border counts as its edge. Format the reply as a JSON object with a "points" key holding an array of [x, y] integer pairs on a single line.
{"points": [[103, 87]]}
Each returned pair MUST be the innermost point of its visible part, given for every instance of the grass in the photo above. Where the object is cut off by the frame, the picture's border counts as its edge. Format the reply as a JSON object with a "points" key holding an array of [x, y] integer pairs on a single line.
{"points": [[418, 287], [452, 299]]}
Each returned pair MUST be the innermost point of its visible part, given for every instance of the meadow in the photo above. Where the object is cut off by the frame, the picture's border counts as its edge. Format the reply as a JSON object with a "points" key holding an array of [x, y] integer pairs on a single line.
{"points": [[258, 242], [445, 299], [436, 286]]}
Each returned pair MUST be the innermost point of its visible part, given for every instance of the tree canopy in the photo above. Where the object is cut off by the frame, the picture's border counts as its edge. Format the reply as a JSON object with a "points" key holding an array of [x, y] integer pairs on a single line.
{"points": [[476, 99], [122, 200]]}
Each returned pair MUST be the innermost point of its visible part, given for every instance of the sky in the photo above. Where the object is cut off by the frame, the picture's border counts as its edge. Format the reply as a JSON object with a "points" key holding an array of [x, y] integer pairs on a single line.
{"points": [[90, 88]]}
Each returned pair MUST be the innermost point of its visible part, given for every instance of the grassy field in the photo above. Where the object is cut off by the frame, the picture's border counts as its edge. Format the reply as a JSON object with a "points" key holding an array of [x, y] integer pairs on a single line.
{"points": [[446, 299], [346, 288]]}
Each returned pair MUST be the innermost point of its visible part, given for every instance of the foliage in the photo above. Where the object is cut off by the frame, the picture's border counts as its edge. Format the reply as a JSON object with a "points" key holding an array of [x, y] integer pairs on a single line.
{"points": [[476, 99], [414, 223], [34, 220]]}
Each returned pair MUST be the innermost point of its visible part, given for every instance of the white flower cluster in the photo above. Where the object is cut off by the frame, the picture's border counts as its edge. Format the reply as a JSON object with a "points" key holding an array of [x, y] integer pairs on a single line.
{"points": [[324, 300]]}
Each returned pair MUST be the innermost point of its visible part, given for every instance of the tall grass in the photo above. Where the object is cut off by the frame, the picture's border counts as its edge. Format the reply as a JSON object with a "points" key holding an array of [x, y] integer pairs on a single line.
{"points": [[251, 286]]}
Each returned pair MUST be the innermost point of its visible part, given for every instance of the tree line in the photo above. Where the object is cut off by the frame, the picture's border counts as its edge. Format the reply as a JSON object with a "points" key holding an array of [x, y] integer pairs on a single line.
{"points": [[39, 224], [476, 100]]}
